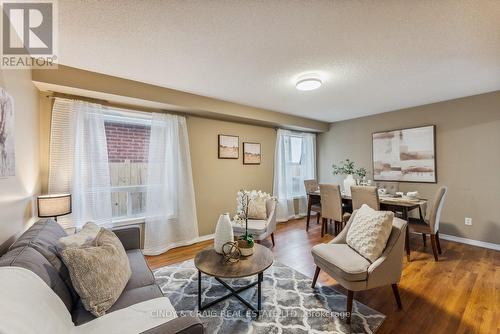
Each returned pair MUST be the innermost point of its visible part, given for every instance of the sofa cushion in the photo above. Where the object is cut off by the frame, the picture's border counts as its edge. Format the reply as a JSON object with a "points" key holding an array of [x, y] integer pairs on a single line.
{"points": [[29, 258], [128, 297], [141, 274], [43, 236], [341, 260], [99, 272]]}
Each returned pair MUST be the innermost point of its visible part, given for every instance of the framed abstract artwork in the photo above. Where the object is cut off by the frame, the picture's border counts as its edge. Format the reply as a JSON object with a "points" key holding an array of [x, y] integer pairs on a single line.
{"points": [[405, 155], [251, 153], [229, 147], [7, 149]]}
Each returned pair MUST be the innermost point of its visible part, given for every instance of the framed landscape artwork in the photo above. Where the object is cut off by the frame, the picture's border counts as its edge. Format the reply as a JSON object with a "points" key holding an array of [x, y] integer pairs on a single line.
{"points": [[251, 154], [229, 147], [406, 155], [7, 152]]}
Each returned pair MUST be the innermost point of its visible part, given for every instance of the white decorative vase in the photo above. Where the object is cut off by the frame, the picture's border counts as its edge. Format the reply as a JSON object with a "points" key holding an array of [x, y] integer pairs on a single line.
{"points": [[348, 182], [223, 232]]}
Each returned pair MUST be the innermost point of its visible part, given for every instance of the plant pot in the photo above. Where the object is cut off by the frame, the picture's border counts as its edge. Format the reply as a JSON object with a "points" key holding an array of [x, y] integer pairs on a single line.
{"points": [[244, 248]]}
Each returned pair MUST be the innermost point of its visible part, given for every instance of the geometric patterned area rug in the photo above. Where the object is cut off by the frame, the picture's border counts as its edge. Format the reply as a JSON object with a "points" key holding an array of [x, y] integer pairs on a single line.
{"points": [[289, 304]]}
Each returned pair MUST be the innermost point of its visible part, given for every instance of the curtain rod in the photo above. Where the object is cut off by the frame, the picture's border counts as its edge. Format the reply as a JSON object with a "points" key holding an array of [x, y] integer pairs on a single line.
{"points": [[125, 107]]}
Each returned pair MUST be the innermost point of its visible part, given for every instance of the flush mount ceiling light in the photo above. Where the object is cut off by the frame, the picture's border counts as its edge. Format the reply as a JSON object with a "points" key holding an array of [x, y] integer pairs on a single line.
{"points": [[308, 82]]}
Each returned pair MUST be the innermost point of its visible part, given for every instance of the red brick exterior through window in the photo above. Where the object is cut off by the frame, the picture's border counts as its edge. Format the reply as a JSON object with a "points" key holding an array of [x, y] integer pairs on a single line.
{"points": [[127, 142]]}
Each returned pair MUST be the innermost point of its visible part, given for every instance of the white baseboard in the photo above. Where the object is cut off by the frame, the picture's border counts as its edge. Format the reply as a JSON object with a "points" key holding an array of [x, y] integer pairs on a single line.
{"points": [[205, 237], [470, 241]]}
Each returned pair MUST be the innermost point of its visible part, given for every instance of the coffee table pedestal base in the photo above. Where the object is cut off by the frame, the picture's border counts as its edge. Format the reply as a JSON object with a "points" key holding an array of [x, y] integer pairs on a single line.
{"points": [[235, 293]]}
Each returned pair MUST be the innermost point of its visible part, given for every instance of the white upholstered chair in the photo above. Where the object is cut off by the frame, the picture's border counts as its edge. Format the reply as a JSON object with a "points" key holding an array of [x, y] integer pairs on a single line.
{"points": [[260, 229], [353, 271]]}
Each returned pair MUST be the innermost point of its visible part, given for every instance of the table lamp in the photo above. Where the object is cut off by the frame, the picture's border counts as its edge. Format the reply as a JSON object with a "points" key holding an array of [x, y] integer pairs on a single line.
{"points": [[54, 205]]}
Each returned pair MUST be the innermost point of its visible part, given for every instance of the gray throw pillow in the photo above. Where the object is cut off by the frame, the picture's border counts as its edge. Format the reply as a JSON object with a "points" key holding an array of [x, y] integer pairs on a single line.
{"points": [[99, 272]]}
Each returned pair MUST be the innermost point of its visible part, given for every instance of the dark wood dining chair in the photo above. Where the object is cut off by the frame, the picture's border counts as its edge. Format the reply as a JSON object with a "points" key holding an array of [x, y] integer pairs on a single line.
{"points": [[312, 186], [430, 226], [331, 208]]}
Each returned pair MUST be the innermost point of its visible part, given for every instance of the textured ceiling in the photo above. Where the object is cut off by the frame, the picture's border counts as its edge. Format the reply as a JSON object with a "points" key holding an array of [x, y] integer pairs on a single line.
{"points": [[374, 56]]}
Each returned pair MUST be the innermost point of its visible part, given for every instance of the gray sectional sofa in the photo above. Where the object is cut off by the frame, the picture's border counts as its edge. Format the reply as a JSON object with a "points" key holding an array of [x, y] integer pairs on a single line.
{"points": [[36, 251]]}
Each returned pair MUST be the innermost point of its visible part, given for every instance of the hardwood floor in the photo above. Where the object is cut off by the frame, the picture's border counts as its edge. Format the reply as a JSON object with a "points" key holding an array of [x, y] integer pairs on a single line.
{"points": [[458, 294]]}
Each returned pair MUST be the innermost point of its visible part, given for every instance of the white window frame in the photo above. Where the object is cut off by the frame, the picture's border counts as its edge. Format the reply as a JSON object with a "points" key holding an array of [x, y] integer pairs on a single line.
{"points": [[134, 117]]}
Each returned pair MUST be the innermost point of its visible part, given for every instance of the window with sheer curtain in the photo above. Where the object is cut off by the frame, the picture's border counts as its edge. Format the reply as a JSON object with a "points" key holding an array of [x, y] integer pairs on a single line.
{"points": [[295, 161], [121, 165]]}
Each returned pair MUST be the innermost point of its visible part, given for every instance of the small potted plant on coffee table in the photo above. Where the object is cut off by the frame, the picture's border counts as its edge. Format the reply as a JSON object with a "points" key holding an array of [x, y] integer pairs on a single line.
{"points": [[246, 241]]}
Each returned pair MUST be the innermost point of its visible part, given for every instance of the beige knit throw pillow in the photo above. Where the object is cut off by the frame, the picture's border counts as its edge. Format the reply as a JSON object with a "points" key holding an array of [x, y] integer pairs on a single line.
{"points": [[369, 232], [99, 272]]}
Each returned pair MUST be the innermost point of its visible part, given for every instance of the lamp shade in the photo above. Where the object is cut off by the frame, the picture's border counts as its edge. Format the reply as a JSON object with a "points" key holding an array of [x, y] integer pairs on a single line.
{"points": [[54, 205]]}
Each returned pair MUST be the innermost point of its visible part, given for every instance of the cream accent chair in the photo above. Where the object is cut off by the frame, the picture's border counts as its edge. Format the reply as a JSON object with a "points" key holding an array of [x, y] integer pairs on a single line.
{"points": [[430, 226], [312, 186], [331, 207], [260, 229], [354, 272]]}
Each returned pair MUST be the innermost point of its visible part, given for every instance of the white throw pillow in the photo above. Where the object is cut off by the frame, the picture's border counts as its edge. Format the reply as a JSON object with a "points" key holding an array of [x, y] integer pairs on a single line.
{"points": [[369, 232], [84, 237], [257, 208]]}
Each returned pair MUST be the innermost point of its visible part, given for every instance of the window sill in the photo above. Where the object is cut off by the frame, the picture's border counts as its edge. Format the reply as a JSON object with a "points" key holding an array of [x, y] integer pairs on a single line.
{"points": [[127, 221], [114, 223]]}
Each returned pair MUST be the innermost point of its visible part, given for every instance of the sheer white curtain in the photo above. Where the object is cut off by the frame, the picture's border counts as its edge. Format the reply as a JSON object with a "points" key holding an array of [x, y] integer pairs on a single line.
{"points": [[294, 162], [170, 205], [79, 161]]}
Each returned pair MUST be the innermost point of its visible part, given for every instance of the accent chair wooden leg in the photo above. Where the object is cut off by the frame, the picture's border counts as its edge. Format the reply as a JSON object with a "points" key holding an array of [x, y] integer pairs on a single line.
{"points": [[350, 297], [317, 217], [272, 238], [395, 290], [407, 244], [438, 243], [424, 238], [434, 247], [309, 204], [316, 274]]}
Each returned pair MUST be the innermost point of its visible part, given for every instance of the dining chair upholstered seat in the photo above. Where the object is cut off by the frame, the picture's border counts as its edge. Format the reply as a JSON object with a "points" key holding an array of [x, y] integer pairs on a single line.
{"points": [[430, 226], [365, 195], [354, 272]]}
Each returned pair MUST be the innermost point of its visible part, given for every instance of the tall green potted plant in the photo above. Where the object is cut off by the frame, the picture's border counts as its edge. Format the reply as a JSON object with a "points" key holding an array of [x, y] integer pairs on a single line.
{"points": [[246, 241]]}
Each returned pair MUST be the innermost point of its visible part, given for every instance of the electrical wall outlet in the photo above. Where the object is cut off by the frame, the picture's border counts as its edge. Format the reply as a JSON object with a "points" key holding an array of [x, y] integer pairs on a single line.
{"points": [[468, 221]]}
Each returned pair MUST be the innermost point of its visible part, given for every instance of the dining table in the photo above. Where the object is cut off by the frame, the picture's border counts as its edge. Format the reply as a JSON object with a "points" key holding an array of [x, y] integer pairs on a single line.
{"points": [[401, 206]]}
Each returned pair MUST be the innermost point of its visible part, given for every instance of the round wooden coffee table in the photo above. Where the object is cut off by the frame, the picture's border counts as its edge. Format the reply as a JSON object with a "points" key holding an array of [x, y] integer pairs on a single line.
{"points": [[210, 263]]}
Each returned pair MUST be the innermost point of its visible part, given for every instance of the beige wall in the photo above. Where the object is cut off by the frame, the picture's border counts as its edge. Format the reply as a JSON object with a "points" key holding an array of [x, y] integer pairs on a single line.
{"points": [[468, 158], [18, 193], [216, 181]]}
